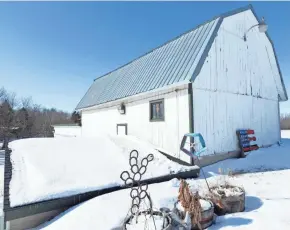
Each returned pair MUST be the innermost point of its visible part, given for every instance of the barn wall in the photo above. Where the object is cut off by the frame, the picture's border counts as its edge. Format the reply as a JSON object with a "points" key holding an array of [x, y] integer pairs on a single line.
{"points": [[67, 131], [166, 134], [237, 87]]}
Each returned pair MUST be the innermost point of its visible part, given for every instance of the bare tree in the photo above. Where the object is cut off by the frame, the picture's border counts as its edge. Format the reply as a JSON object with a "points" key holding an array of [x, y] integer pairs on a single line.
{"points": [[23, 119], [7, 117], [26, 102], [285, 121], [76, 118], [2, 93]]}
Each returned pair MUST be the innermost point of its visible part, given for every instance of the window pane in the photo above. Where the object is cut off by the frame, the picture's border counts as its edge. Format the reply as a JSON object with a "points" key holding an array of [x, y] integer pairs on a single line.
{"points": [[157, 110], [161, 110], [154, 111]]}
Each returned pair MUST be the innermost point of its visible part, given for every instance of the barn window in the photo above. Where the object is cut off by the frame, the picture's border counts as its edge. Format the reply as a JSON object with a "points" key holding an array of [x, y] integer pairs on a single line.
{"points": [[157, 110]]}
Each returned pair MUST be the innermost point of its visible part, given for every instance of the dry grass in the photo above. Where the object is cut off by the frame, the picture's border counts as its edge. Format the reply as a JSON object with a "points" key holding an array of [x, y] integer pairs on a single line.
{"points": [[190, 203]]}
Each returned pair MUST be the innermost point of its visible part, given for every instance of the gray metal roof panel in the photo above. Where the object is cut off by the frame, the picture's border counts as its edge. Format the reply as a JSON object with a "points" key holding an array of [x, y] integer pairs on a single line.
{"points": [[163, 66]]}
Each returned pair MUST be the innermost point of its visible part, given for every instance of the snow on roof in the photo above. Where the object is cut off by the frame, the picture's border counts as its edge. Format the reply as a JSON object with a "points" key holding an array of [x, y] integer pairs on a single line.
{"points": [[48, 168]]}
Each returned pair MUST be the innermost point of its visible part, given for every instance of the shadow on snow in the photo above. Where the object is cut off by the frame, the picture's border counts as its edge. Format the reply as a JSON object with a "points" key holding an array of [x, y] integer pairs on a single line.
{"points": [[230, 221], [252, 203], [269, 159]]}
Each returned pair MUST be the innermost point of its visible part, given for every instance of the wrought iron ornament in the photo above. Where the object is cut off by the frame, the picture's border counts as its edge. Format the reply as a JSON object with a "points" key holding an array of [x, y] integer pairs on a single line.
{"points": [[139, 192]]}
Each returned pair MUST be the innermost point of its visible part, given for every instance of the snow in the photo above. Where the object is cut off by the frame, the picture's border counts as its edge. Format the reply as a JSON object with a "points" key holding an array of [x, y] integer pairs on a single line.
{"points": [[205, 205], [148, 220], [267, 202], [227, 191], [46, 168], [264, 177], [285, 133], [67, 131], [102, 216], [262, 159]]}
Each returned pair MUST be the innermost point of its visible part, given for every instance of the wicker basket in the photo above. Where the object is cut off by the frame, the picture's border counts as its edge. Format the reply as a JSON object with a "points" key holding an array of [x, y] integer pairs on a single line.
{"points": [[229, 204]]}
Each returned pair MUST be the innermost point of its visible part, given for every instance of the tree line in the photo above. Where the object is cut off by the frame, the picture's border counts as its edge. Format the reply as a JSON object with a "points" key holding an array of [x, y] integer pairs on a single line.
{"points": [[21, 118], [285, 121]]}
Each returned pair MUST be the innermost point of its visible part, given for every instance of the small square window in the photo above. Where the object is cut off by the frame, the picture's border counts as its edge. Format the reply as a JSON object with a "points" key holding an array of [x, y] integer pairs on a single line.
{"points": [[157, 110]]}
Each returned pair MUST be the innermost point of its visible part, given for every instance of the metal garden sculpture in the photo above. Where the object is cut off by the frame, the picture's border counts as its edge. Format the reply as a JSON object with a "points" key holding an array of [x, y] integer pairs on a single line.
{"points": [[138, 193]]}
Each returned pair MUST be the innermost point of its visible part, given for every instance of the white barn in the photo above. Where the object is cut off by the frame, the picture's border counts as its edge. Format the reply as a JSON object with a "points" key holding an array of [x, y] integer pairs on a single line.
{"points": [[212, 80]]}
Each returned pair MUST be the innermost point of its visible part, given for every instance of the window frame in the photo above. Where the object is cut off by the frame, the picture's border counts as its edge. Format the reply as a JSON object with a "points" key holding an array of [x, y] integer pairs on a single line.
{"points": [[151, 103], [126, 128]]}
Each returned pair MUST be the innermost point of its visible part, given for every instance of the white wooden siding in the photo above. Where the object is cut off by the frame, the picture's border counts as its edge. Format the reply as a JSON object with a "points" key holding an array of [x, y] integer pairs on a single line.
{"points": [[166, 134], [237, 87]]}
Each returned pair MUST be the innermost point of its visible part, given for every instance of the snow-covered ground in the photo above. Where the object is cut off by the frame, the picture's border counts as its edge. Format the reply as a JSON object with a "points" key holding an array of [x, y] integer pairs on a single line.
{"points": [[285, 134], [265, 183], [46, 168]]}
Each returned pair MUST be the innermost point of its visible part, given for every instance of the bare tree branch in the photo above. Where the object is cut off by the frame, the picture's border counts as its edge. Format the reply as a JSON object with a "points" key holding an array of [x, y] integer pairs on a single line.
{"points": [[26, 102], [2, 93]]}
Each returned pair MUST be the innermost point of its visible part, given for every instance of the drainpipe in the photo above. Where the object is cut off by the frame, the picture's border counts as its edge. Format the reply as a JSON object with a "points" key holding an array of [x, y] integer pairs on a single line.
{"points": [[191, 117], [279, 119]]}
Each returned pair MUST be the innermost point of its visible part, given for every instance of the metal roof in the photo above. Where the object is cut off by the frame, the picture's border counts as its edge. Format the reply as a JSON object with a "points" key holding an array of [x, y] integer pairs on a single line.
{"points": [[176, 61]]}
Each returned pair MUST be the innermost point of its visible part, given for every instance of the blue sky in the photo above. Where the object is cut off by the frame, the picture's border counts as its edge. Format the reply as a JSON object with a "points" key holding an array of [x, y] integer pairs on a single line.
{"points": [[52, 51]]}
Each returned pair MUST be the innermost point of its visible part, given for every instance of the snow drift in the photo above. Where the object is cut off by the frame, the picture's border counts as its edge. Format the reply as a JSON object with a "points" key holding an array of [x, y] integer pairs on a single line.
{"points": [[47, 168]]}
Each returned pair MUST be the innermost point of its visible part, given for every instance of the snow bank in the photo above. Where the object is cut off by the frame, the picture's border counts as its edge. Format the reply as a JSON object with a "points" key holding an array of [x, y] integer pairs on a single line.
{"points": [[267, 197], [285, 133], [46, 168], [272, 158], [97, 213]]}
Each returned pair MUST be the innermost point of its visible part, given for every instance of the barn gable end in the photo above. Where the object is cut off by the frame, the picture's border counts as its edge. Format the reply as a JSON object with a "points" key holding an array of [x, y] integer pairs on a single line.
{"points": [[239, 86]]}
